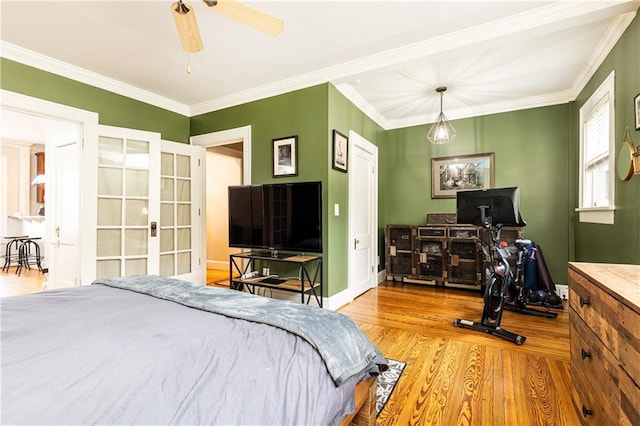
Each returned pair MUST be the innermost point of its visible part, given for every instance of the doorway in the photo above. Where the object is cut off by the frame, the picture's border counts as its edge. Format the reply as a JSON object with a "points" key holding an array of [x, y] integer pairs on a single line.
{"points": [[227, 153], [41, 128]]}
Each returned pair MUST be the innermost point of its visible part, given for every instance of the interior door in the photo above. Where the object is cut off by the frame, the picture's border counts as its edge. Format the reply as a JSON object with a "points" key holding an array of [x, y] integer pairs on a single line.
{"points": [[62, 209], [128, 202], [363, 218], [181, 212]]}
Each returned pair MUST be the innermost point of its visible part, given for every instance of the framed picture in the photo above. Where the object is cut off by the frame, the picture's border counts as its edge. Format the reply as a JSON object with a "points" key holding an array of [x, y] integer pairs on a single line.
{"points": [[340, 148], [463, 172], [636, 109], [285, 156]]}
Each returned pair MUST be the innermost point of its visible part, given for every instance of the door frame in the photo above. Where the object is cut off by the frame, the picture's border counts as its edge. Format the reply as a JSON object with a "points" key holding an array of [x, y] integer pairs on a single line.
{"points": [[88, 123], [220, 138], [356, 140]]}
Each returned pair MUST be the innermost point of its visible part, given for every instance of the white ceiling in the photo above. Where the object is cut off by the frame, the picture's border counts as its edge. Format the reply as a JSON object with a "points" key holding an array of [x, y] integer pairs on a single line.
{"points": [[386, 57]]}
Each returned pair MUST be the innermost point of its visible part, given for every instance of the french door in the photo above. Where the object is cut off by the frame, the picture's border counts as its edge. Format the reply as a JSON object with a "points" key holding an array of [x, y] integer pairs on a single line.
{"points": [[146, 216]]}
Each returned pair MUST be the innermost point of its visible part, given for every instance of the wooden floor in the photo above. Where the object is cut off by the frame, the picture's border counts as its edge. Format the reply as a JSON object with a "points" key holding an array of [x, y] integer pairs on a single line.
{"points": [[457, 376], [29, 281], [453, 376]]}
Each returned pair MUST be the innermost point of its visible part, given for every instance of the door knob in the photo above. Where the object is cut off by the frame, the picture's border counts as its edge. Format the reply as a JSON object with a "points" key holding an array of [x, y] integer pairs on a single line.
{"points": [[355, 243]]}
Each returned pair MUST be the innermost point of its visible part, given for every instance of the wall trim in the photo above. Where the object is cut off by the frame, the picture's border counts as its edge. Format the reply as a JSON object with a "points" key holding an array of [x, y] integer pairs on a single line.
{"points": [[46, 63]]}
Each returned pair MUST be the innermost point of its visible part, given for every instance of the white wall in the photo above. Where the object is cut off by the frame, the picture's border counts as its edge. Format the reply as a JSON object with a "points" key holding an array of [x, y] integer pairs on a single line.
{"points": [[19, 167], [222, 172]]}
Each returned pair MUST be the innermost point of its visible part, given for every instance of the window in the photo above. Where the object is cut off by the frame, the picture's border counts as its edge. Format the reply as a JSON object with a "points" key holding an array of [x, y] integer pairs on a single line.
{"points": [[597, 155]]}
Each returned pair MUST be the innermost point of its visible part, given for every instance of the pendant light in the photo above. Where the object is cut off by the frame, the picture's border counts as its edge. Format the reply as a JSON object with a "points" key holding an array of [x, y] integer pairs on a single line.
{"points": [[442, 131]]}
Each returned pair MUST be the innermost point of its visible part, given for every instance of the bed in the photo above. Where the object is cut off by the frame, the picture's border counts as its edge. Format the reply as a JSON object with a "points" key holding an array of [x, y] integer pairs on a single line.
{"points": [[150, 350]]}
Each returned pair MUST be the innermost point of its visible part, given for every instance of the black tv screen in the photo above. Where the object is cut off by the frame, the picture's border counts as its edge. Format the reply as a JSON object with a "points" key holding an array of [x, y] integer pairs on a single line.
{"points": [[502, 206], [284, 217], [246, 216]]}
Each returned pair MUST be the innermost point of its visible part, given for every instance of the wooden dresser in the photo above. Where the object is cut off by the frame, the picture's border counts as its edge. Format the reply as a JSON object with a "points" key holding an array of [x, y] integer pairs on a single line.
{"points": [[604, 317]]}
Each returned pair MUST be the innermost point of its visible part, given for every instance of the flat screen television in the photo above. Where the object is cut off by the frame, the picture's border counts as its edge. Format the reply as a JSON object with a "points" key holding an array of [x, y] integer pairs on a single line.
{"points": [[285, 217], [501, 207]]}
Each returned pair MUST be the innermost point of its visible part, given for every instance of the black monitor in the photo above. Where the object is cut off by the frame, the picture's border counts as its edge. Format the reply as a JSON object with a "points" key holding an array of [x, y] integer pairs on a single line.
{"points": [[500, 206]]}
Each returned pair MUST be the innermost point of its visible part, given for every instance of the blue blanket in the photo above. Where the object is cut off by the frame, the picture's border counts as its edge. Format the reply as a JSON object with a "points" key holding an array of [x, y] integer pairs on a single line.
{"points": [[342, 345]]}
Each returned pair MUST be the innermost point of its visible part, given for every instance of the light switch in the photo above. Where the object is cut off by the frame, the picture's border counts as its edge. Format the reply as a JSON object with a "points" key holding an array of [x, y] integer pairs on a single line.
{"points": [[336, 209]]}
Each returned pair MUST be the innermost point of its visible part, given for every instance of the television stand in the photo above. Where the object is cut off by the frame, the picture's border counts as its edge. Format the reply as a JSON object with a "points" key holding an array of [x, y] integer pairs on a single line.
{"points": [[308, 282]]}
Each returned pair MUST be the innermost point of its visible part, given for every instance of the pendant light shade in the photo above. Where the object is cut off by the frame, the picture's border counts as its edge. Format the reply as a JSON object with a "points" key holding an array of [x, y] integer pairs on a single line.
{"points": [[442, 131]]}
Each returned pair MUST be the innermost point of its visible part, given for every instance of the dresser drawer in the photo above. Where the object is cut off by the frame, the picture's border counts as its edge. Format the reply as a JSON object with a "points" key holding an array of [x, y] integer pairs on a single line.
{"points": [[614, 323], [629, 399], [588, 402], [597, 370], [596, 308]]}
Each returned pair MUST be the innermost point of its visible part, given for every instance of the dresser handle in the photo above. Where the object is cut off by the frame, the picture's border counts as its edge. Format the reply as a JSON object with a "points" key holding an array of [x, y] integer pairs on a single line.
{"points": [[584, 302], [586, 412], [585, 354]]}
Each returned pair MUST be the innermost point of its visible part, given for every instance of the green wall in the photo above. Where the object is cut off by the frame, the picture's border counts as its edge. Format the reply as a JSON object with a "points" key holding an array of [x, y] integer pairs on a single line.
{"points": [[114, 109], [535, 149], [303, 113], [531, 152], [620, 242], [312, 114], [345, 116]]}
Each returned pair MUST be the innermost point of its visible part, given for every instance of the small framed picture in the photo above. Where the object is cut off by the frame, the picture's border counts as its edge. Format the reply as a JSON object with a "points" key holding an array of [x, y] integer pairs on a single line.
{"points": [[636, 109], [340, 151], [285, 156]]}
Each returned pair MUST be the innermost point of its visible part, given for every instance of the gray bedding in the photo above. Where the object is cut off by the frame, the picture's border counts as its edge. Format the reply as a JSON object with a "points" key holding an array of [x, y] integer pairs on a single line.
{"points": [[104, 355]]}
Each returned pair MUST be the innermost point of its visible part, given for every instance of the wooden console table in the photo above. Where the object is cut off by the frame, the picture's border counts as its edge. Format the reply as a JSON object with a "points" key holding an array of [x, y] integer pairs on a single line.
{"points": [[308, 282]]}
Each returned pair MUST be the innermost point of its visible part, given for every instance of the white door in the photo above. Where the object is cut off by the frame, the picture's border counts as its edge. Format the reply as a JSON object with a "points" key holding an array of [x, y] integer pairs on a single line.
{"points": [[181, 212], [62, 209], [363, 214], [128, 202]]}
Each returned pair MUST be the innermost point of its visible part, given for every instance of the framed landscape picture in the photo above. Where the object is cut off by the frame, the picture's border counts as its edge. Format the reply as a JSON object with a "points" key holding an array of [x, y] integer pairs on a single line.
{"points": [[459, 173]]}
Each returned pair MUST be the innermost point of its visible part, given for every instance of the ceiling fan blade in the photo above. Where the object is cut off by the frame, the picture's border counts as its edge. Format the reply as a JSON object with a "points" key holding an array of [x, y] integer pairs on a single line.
{"points": [[187, 26], [247, 15]]}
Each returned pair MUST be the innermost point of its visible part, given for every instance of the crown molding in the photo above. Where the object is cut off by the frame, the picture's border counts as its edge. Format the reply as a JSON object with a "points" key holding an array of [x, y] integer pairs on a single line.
{"points": [[604, 47], [349, 92], [260, 92], [494, 108], [46, 63]]}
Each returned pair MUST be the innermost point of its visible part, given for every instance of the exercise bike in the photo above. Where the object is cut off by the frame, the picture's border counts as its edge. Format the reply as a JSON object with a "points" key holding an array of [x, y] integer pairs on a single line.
{"points": [[501, 284]]}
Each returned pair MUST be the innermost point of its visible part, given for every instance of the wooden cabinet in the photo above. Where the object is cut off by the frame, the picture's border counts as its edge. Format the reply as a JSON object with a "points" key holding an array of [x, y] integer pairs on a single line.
{"points": [[604, 305], [399, 250], [441, 251], [430, 254], [40, 172]]}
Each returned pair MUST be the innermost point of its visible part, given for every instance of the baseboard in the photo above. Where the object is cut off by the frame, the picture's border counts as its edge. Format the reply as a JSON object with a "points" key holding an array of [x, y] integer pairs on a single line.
{"points": [[218, 265]]}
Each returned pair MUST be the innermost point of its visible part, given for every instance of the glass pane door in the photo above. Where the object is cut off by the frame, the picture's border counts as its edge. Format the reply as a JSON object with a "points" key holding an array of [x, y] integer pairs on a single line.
{"points": [[175, 214], [181, 197], [125, 198]]}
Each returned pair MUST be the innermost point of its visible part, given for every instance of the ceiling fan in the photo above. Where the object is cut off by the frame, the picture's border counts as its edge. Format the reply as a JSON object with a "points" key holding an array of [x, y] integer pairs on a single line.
{"points": [[187, 26]]}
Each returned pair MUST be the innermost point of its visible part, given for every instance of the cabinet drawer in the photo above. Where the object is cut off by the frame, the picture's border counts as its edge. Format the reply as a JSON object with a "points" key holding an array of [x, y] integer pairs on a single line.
{"points": [[597, 369], [432, 231], [468, 232], [614, 323], [596, 308], [585, 398], [629, 399]]}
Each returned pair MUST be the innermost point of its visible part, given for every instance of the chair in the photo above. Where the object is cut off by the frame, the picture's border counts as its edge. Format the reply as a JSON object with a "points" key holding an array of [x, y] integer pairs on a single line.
{"points": [[12, 250], [29, 254]]}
